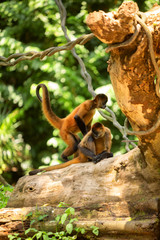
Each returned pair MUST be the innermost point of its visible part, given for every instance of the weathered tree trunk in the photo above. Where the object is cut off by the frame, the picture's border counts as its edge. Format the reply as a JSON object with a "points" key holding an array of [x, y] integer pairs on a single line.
{"points": [[132, 72], [120, 195]]}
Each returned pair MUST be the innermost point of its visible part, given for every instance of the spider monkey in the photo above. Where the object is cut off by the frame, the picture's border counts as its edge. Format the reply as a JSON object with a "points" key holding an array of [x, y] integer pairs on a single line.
{"points": [[95, 146], [68, 126]]}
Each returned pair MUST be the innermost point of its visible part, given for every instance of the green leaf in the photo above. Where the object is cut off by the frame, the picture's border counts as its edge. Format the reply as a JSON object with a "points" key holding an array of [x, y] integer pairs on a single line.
{"points": [[50, 233], [13, 236], [69, 228], [58, 217], [27, 231], [30, 230], [64, 217], [29, 214], [39, 234], [73, 220], [58, 234], [45, 237], [70, 211], [62, 204], [41, 217], [95, 230], [33, 221], [83, 230]]}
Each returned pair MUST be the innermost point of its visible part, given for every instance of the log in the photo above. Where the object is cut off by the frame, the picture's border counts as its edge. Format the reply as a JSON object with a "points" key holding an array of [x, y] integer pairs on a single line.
{"points": [[87, 185], [115, 194]]}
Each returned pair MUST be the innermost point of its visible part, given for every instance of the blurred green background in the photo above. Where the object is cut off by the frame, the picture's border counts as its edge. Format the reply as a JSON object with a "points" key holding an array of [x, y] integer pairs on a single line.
{"points": [[26, 139]]}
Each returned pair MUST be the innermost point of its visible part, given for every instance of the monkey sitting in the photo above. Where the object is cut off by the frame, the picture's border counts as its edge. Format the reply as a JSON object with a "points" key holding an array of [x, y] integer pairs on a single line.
{"points": [[68, 126], [95, 146]]}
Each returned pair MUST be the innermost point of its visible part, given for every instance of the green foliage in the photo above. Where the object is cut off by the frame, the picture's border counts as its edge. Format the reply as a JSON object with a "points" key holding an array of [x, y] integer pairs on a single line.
{"points": [[65, 221], [34, 25], [3, 195], [13, 150], [149, 4]]}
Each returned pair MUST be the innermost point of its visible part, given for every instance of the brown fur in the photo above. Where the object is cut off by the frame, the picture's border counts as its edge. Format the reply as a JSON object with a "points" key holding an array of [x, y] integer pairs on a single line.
{"points": [[96, 143], [67, 126]]}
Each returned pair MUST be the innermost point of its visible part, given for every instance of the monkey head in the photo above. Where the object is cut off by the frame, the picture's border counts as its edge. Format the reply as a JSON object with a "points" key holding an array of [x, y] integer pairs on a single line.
{"points": [[100, 101], [98, 130]]}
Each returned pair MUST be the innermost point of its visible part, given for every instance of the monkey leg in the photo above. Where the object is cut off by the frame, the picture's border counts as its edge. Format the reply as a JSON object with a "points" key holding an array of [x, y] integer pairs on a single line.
{"points": [[76, 154], [72, 141]]}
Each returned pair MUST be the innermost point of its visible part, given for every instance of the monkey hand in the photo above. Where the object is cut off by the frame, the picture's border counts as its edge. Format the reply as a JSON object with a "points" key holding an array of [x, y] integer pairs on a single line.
{"points": [[96, 158], [101, 156], [34, 172]]}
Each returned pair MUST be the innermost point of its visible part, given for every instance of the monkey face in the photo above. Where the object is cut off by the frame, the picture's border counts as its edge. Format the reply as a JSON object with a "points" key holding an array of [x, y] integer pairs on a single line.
{"points": [[98, 130], [101, 100]]}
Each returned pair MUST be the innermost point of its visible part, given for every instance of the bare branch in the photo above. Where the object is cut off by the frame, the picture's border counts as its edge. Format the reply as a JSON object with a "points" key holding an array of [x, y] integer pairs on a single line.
{"points": [[48, 52]]}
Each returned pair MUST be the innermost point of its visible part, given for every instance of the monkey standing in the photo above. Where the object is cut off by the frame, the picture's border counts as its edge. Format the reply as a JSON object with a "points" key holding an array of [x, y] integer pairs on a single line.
{"points": [[95, 146], [68, 126]]}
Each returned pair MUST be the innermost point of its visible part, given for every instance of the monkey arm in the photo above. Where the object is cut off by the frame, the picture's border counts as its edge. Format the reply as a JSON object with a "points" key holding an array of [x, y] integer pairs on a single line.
{"points": [[81, 124], [108, 139], [95, 158], [87, 152], [89, 126]]}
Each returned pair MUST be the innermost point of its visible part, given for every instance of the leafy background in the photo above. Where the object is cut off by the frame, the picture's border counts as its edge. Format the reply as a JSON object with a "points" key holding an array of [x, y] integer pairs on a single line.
{"points": [[26, 139]]}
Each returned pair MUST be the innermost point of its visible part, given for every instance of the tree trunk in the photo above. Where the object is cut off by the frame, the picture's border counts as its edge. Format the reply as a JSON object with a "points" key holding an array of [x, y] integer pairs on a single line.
{"points": [[120, 195], [132, 72]]}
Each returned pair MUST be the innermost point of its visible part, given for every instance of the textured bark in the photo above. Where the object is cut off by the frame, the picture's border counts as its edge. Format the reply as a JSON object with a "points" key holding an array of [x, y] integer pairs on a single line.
{"points": [[86, 185], [131, 70], [114, 194]]}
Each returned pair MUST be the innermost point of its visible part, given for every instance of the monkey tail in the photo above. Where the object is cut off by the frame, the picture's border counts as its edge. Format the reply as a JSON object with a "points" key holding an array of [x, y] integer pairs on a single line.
{"points": [[52, 118], [59, 166]]}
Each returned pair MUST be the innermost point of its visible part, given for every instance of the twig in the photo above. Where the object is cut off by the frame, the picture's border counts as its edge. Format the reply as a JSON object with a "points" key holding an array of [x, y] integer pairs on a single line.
{"points": [[3, 181]]}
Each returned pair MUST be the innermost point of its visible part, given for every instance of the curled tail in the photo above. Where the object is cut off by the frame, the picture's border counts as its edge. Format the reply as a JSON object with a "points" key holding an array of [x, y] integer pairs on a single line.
{"points": [[59, 166], [54, 120]]}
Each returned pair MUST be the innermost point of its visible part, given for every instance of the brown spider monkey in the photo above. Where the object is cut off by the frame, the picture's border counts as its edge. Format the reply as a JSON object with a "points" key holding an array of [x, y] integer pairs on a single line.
{"points": [[68, 126], [95, 146]]}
